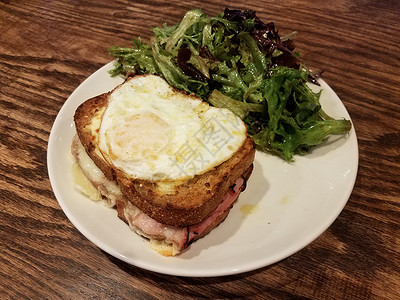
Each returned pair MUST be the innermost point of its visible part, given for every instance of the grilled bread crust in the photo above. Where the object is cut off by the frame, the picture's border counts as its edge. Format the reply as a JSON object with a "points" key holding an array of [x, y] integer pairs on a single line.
{"points": [[185, 202]]}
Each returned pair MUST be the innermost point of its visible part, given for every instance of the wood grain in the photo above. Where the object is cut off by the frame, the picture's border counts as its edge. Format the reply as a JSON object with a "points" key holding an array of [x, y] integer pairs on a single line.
{"points": [[47, 48]]}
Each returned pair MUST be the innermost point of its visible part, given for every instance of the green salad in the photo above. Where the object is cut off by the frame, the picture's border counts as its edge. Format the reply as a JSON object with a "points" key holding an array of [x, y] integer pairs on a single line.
{"points": [[236, 61]]}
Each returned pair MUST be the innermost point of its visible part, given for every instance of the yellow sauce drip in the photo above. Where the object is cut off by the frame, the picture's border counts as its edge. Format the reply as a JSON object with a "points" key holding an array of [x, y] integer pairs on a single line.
{"points": [[285, 200], [248, 209]]}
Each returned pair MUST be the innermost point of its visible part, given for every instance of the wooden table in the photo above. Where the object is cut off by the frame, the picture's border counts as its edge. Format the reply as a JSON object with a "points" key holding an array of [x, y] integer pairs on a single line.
{"points": [[47, 48]]}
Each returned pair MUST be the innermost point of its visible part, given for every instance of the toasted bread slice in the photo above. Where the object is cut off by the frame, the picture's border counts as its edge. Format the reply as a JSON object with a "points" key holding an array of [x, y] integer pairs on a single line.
{"points": [[172, 202], [167, 240]]}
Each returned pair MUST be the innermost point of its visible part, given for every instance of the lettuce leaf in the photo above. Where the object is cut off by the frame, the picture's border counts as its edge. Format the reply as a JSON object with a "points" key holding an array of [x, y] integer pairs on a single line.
{"points": [[235, 60]]}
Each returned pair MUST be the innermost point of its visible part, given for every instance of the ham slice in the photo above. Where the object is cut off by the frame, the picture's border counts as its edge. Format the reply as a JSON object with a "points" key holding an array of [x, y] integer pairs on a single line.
{"points": [[155, 230], [229, 198], [181, 237]]}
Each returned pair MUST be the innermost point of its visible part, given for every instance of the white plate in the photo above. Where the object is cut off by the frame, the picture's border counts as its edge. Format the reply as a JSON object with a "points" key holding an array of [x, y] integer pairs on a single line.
{"points": [[293, 203]]}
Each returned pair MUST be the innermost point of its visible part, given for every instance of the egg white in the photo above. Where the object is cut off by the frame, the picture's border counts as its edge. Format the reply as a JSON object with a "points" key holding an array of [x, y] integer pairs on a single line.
{"points": [[151, 131]]}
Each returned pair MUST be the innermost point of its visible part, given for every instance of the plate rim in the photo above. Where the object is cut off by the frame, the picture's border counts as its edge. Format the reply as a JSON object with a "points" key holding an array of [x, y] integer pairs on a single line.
{"points": [[171, 271]]}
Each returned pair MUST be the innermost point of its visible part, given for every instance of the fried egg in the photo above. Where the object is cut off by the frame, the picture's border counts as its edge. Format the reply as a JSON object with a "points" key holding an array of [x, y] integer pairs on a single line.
{"points": [[154, 132]]}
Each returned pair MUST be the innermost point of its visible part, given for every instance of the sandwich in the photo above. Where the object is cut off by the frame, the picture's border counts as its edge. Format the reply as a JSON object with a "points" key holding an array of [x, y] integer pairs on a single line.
{"points": [[170, 164]]}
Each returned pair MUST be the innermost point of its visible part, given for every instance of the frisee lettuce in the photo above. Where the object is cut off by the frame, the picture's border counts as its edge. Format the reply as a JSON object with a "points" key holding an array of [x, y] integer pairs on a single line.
{"points": [[236, 61]]}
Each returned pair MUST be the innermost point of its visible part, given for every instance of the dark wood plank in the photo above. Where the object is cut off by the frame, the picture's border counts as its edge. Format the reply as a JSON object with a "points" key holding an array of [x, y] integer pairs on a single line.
{"points": [[47, 48]]}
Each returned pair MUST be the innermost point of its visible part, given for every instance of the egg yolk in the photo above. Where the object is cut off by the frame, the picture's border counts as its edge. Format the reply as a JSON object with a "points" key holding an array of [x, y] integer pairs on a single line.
{"points": [[138, 136]]}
